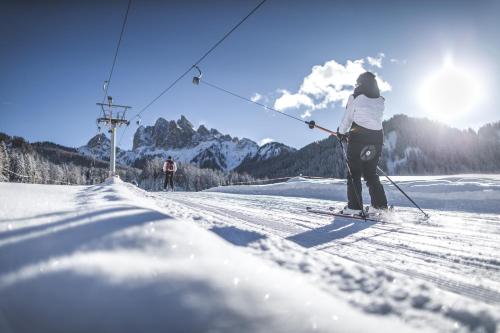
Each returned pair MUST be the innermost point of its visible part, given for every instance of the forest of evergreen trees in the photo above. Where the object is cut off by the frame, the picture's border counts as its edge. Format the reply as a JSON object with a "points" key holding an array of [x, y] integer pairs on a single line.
{"points": [[188, 177], [320, 159], [425, 147], [413, 147], [49, 163]]}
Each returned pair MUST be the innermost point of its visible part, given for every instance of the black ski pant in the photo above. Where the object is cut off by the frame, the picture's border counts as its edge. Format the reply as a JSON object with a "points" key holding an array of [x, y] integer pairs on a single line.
{"points": [[169, 180], [367, 169]]}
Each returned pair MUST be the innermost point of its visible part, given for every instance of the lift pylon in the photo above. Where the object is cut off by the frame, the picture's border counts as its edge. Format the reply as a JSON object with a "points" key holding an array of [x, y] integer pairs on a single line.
{"points": [[113, 116]]}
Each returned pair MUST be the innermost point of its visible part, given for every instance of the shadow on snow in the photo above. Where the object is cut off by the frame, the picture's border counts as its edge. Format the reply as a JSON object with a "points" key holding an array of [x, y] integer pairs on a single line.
{"points": [[338, 229], [66, 241], [237, 236]]}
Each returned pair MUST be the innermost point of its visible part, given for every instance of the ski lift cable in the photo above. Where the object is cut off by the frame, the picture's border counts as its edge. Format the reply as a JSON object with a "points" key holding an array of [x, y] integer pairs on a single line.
{"points": [[194, 66], [259, 181], [108, 81], [312, 124], [33, 177], [196, 63], [249, 100]]}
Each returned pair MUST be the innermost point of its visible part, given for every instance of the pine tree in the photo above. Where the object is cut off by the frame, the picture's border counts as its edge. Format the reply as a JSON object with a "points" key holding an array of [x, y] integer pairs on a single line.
{"points": [[18, 168], [31, 168], [44, 167], [4, 163]]}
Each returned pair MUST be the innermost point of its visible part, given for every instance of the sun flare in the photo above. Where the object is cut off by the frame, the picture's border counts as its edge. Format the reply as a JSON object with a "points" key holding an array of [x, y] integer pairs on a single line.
{"points": [[450, 92]]}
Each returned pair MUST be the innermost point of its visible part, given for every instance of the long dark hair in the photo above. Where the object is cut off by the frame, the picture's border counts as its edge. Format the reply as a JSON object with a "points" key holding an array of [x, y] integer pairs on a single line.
{"points": [[366, 84]]}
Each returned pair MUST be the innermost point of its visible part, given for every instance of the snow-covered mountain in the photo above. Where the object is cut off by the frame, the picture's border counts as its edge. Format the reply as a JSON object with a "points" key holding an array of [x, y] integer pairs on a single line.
{"points": [[421, 146], [179, 139], [272, 153], [271, 150], [413, 146], [97, 147]]}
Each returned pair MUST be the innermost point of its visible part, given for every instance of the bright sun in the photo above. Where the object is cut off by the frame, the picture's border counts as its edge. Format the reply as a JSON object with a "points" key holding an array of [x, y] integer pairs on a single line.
{"points": [[450, 92]]}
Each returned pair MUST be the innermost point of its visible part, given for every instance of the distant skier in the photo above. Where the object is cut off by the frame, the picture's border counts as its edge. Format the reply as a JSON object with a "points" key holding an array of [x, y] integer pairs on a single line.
{"points": [[361, 127], [169, 168]]}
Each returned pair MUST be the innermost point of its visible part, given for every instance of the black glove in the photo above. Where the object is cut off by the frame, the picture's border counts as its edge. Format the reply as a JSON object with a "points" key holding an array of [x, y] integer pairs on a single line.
{"points": [[342, 137]]}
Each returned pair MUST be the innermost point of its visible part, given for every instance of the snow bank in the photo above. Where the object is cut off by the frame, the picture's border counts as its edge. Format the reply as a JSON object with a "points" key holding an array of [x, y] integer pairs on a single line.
{"points": [[473, 193], [104, 258]]}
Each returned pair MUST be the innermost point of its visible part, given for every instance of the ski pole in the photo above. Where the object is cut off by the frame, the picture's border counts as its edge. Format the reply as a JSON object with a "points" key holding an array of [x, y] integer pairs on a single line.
{"points": [[358, 197], [312, 125], [401, 190]]}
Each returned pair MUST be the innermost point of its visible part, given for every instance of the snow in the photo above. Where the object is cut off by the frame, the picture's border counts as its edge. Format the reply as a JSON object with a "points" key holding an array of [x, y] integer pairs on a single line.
{"points": [[472, 193], [115, 258], [391, 139], [233, 152], [270, 150], [229, 152], [392, 165]]}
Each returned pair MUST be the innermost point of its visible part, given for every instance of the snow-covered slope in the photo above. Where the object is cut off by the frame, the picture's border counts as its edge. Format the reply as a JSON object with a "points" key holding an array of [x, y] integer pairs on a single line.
{"points": [[114, 258], [469, 192], [179, 139], [440, 273], [108, 258]]}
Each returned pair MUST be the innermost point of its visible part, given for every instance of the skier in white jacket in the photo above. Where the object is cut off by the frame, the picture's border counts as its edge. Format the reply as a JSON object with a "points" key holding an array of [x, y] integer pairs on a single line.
{"points": [[169, 168], [362, 128]]}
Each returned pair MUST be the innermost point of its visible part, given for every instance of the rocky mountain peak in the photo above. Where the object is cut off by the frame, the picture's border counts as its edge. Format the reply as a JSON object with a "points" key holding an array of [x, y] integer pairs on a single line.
{"points": [[171, 134], [185, 124], [161, 122], [203, 131], [98, 147], [178, 138], [98, 141], [273, 149], [215, 132]]}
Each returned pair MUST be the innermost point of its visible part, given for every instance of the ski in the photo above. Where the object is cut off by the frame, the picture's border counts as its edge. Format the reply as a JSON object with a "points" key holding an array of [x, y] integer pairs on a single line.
{"points": [[390, 209], [338, 214]]}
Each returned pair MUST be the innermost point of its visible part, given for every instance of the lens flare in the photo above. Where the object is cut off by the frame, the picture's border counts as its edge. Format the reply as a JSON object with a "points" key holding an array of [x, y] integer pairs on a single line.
{"points": [[450, 92]]}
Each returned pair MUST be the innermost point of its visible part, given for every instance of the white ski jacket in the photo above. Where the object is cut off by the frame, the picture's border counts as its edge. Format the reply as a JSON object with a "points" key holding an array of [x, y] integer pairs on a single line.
{"points": [[165, 167], [364, 111]]}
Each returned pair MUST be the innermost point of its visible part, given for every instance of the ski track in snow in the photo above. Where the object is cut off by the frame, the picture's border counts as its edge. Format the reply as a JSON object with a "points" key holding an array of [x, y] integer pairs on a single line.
{"points": [[446, 268], [106, 258], [89, 248]]}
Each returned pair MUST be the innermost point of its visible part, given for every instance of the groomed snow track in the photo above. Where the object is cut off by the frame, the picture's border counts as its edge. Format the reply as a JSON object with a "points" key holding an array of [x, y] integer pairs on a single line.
{"points": [[208, 204], [452, 252]]}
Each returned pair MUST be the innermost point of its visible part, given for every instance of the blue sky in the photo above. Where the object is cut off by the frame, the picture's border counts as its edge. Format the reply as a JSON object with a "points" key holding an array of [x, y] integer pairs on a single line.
{"points": [[55, 56]]}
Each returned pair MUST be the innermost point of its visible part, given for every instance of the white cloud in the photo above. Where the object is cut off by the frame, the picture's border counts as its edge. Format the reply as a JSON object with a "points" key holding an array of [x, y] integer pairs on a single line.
{"points": [[383, 85], [376, 62], [306, 114], [398, 61], [265, 141], [326, 85], [288, 100], [256, 97]]}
